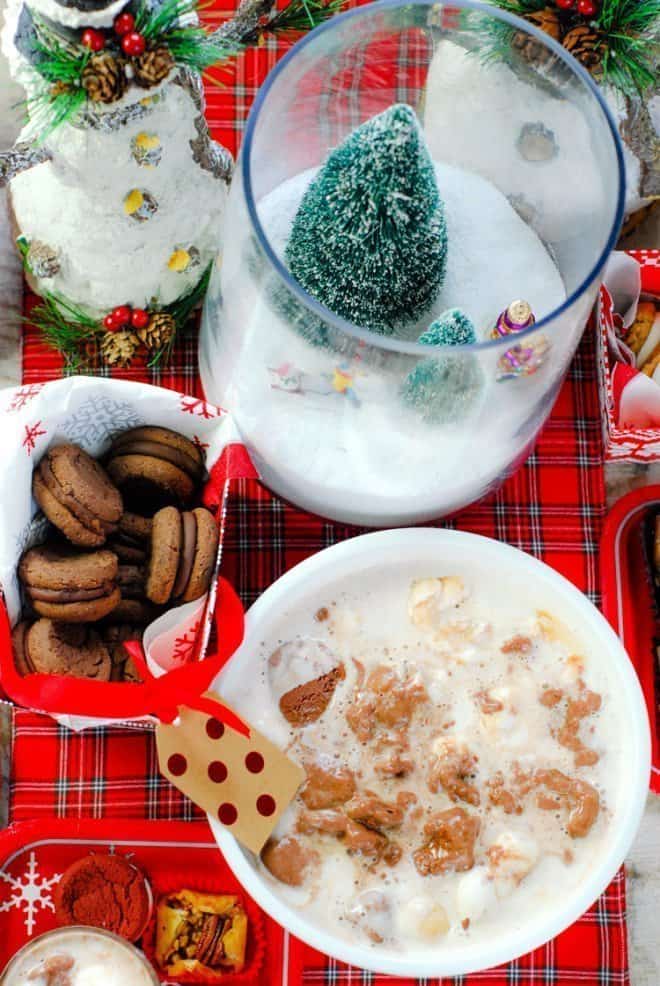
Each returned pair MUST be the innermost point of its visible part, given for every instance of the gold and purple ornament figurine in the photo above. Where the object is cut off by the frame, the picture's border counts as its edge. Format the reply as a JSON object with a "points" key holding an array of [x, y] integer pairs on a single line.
{"points": [[525, 358]]}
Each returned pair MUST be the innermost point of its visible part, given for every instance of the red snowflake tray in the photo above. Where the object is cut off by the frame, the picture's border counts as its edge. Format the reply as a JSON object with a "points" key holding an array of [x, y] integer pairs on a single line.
{"points": [[630, 597], [34, 854]]}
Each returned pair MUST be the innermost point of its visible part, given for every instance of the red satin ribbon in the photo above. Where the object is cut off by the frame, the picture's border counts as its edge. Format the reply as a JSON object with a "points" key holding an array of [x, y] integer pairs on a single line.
{"points": [[161, 697], [173, 689]]}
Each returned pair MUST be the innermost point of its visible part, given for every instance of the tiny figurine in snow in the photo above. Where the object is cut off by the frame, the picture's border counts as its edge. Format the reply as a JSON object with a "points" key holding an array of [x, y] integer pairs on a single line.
{"points": [[369, 240], [292, 380], [526, 358], [445, 389], [516, 317]]}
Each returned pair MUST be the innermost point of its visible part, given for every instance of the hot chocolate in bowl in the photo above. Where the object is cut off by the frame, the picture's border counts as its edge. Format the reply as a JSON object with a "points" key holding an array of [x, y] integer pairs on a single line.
{"points": [[537, 652]]}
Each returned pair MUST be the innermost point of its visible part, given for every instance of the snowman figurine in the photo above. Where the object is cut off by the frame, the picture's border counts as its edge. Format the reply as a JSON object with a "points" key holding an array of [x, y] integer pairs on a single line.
{"points": [[116, 190]]}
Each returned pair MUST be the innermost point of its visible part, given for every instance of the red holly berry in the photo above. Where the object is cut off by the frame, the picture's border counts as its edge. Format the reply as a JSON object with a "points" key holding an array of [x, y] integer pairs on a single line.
{"points": [[121, 315], [565, 4], [139, 318], [92, 39], [110, 323], [587, 8], [124, 23], [133, 43]]}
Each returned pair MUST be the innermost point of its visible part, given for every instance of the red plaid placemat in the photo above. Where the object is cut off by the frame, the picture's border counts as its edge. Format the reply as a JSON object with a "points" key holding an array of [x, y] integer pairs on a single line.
{"points": [[553, 507]]}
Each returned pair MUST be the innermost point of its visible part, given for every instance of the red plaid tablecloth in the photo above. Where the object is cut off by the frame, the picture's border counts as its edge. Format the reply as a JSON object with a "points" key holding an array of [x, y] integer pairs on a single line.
{"points": [[553, 507]]}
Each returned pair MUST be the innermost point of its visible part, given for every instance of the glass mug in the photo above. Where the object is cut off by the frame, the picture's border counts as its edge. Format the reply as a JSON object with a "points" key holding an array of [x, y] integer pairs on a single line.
{"points": [[522, 140], [117, 961]]}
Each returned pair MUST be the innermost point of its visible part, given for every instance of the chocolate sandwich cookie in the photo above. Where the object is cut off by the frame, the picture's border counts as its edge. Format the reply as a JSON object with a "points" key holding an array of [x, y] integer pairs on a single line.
{"points": [[76, 495], [155, 467], [183, 552], [131, 581], [131, 542], [114, 636], [70, 587], [21, 658], [138, 612], [65, 648]]}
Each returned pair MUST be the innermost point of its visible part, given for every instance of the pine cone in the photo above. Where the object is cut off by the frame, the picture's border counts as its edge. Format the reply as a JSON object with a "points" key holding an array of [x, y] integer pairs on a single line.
{"points": [[159, 331], [43, 260], [546, 20], [584, 44], [152, 67], [118, 348], [59, 89], [104, 78]]}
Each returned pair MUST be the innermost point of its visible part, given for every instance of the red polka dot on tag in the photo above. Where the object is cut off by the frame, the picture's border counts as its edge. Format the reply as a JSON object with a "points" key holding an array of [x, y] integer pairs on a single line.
{"points": [[227, 813], [214, 728], [217, 771], [266, 805], [254, 762], [177, 764]]}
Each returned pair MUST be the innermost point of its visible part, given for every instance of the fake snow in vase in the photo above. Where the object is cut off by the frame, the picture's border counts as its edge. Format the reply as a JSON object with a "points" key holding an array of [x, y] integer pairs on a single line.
{"points": [[373, 426]]}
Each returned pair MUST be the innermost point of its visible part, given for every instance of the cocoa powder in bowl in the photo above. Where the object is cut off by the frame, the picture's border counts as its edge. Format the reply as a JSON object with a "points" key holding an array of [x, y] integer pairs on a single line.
{"points": [[105, 892]]}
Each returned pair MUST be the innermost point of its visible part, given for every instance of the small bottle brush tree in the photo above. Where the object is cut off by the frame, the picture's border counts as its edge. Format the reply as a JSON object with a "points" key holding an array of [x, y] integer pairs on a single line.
{"points": [[369, 240], [444, 389]]}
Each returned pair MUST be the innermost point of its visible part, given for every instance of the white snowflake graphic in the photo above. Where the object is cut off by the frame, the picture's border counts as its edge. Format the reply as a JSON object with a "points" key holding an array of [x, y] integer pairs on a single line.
{"points": [[98, 419], [30, 892]]}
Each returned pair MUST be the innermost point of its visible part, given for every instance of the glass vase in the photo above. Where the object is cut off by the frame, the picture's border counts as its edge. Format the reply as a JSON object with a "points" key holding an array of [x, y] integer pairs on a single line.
{"points": [[383, 430]]}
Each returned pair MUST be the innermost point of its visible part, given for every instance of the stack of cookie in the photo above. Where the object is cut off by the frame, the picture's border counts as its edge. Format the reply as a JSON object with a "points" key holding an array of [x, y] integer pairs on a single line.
{"points": [[128, 543]]}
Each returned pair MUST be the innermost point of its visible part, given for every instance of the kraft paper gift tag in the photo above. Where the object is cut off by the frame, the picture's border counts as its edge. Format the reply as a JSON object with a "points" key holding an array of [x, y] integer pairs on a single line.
{"points": [[245, 783]]}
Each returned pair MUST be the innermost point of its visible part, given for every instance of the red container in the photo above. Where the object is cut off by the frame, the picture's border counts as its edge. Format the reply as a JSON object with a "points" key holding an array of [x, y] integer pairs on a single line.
{"points": [[630, 597], [33, 855], [637, 444]]}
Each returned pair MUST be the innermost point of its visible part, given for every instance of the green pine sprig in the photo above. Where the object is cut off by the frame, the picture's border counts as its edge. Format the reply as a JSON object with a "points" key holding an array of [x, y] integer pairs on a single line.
{"points": [[58, 61], [174, 25], [65, 327], [47, 110], [76, 335], [62, 97], [302, 15], [631, 54], [181, 311], [629, 33]]}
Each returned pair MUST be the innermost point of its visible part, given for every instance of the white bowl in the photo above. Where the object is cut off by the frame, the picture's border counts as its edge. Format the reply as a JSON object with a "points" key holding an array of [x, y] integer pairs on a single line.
{"points": [[432, 549]]}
